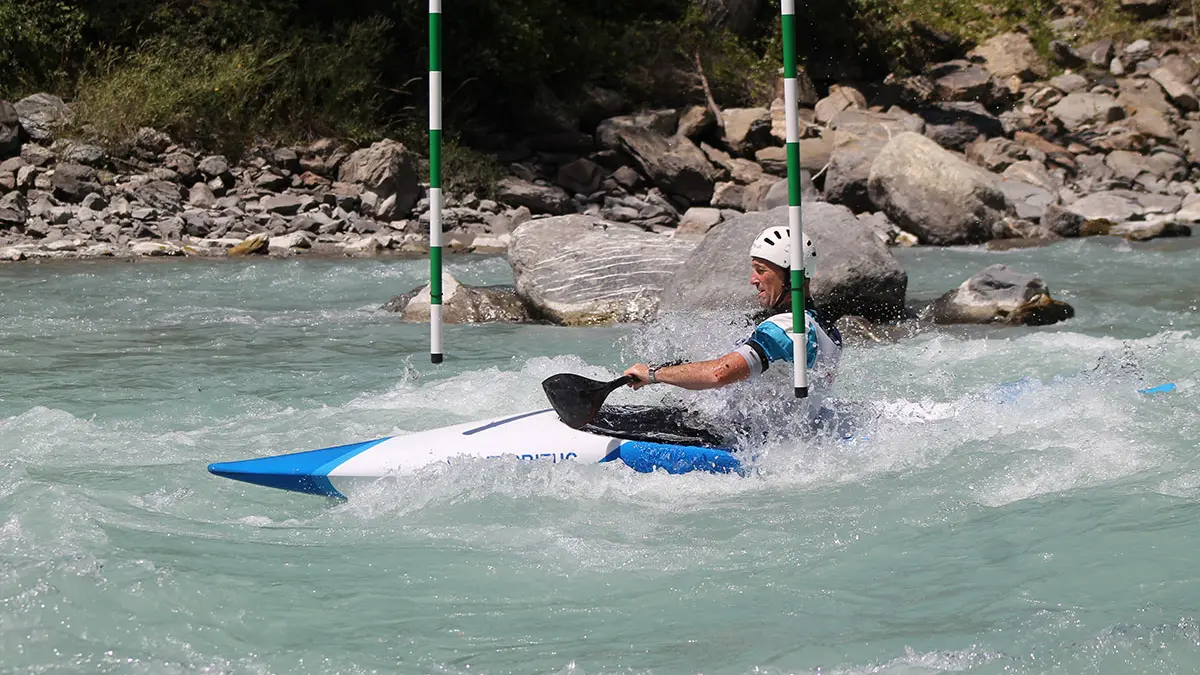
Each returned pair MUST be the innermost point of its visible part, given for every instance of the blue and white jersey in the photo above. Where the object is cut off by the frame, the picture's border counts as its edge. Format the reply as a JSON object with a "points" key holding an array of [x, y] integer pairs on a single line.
{"points": [[772, 341]]}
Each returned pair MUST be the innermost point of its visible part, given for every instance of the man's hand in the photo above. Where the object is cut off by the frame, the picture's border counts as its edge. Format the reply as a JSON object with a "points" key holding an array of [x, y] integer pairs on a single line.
{"points": [[640, 373]]}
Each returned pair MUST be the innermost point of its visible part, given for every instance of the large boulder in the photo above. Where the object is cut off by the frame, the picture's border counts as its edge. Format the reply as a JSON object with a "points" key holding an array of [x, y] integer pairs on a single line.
{"points": [[461, 304], [747, 129], [1000, 295], [935, 194], [674, 163], [858, 138], [386, 168], [10, 130], [42, 114], [581, 270], [73, 182], [13, 210], [855, 272]]}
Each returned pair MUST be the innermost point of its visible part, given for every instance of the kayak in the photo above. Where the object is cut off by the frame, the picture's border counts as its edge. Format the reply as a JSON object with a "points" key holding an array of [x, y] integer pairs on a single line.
{"points": [[618, 434]]}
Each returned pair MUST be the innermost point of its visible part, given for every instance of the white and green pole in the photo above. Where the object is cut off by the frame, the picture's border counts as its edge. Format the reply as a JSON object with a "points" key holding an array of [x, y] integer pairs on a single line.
{"points": [[435, 181], [791, 106]]}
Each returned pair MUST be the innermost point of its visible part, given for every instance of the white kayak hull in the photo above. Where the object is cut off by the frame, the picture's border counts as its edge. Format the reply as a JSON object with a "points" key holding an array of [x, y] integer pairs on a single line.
{"points": [[536, 436]]}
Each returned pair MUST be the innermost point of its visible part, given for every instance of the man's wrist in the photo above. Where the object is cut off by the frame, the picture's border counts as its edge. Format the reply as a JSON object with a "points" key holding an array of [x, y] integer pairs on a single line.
{"points": [[653, 373]]}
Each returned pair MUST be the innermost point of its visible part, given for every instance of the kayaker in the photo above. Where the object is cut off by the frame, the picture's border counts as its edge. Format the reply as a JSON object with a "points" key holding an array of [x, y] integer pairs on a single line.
{"points": [[771, 341]]}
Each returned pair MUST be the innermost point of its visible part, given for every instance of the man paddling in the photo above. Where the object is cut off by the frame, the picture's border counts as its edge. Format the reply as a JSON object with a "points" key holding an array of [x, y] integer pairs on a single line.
{"points": [[771, 341]]}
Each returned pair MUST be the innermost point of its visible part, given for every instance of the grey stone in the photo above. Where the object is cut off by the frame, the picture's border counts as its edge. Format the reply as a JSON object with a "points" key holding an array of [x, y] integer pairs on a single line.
{"points": [[161, 195], [41, 115], [284, 205], [697, 221], [13, 210], [537, 198], [1099, 53], [1110, 205], [202, 196], [461, 304], [856, 144], [214, 166], [855, 272], [1009, 55], [840, 98], [1069, 83], [1000, 295], [10, 129], [183, 164], [580, 270], [961, 81], [747, 129], [696, 122], [73, 182], [1078, 109], [674, 164], [1180, 91], [386, 168], [954, 125], [581, 176], [1029, 200], [84, 153], [152, 140], [662, 122], [935, 194], [1061, 221]]}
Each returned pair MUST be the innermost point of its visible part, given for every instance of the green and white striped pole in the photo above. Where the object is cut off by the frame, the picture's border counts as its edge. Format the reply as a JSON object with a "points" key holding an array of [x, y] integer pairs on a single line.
{"points": [[791, 106], [435, 181]]}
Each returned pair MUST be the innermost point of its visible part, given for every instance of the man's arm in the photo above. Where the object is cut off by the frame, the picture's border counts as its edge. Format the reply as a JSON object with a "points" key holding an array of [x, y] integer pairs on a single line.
{"points": [[702, 375]]}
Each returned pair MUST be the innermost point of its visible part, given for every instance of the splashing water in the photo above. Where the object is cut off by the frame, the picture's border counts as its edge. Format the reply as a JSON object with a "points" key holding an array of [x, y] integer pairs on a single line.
{"points": [[1008, 503]]}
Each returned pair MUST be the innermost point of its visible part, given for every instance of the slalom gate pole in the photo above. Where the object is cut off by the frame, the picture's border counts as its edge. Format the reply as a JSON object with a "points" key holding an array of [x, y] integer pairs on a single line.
{"points": [[795, 224], [435, 181]]}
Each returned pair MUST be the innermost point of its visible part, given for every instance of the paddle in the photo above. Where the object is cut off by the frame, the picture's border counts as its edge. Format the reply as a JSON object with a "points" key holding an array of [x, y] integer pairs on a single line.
{"points": [[577, 399]]}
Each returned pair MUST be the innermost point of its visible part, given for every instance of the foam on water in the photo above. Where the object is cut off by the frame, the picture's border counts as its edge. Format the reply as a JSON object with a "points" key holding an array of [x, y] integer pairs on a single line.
{"points": [[970, 526]]}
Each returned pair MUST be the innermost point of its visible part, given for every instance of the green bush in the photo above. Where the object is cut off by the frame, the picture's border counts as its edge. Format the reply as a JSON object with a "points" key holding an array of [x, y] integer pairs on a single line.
{"points": [[231, 98]]}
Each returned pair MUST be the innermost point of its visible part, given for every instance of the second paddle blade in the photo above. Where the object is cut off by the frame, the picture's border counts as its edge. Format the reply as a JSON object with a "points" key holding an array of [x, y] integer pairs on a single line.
{"points": [[575, 398]]}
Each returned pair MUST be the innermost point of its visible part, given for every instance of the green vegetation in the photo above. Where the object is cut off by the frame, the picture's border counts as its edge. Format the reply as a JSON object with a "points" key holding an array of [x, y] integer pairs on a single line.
{"points": [[230, 73]]}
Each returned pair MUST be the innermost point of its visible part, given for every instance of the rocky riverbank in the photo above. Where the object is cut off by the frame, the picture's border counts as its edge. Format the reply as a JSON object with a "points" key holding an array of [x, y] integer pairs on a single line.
{"points": [[988, 149]]}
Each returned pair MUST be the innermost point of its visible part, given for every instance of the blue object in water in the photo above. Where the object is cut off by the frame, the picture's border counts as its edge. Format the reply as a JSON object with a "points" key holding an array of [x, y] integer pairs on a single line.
{"points": [[1160, 389]]}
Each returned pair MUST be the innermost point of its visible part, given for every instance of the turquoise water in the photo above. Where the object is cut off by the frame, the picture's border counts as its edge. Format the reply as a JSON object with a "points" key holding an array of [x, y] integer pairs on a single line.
{"points": [[973, 531]]}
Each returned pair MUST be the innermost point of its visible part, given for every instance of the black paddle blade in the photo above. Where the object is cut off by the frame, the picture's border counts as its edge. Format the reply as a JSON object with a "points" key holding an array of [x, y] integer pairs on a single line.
{"points": [[577, 399]]}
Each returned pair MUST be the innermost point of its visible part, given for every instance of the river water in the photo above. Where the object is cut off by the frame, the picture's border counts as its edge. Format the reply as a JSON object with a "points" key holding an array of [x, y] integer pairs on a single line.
{"points": [[1045, 527]]}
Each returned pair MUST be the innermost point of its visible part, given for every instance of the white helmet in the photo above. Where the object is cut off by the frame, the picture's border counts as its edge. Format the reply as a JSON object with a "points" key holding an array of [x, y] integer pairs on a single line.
{"points": [[774, 245]]}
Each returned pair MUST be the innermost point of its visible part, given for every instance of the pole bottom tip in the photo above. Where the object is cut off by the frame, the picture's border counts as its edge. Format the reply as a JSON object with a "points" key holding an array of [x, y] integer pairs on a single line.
{"points": [[436, 358], [801, 392]]}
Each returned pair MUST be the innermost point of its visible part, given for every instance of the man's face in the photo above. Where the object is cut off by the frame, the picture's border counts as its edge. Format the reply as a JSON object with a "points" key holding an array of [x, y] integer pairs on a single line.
{"points": [[768, 278]]}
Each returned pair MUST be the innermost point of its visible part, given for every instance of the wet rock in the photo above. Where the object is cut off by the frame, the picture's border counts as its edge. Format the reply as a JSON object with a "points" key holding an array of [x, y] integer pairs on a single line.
{"points": [[462, 304], [855, 272], [41, 115], [537, 198], [1061, 221], [1009, 55], [289, 242], [934, 194], [154, 249], [257, 243], [580, 270], [1151, 229], [386, 168], [1000, 295]]}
